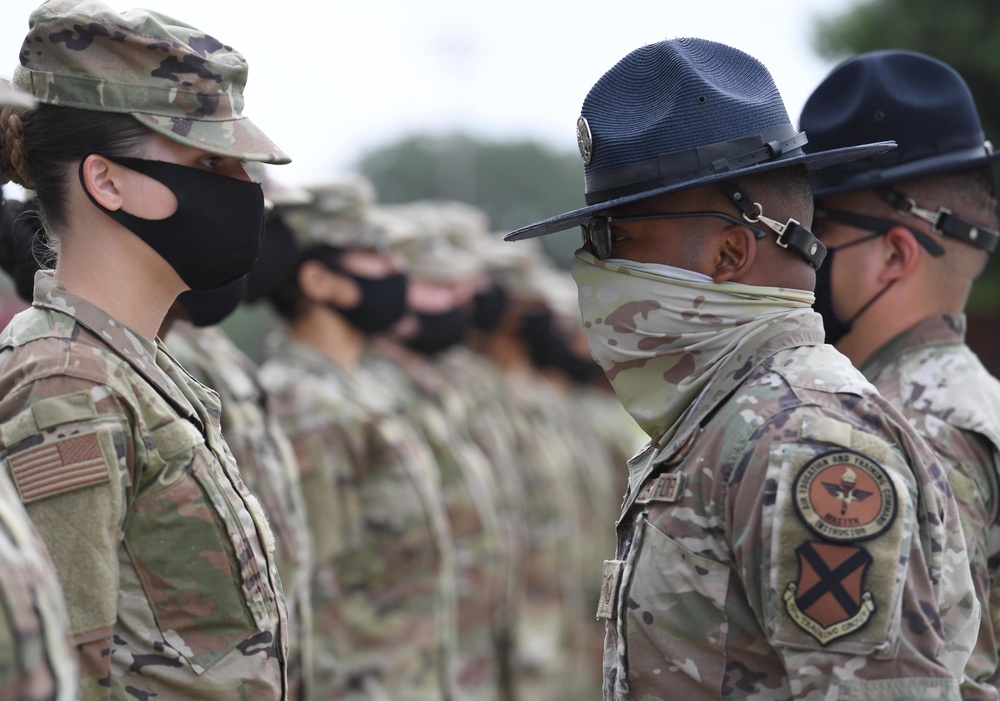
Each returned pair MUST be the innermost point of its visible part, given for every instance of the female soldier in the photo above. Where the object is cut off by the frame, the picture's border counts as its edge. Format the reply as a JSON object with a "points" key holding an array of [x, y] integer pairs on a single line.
{"points": [[135, 157]]}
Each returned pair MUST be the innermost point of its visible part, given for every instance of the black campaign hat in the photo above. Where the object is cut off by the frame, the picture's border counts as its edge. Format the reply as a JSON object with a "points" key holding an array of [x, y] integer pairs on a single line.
{"points": [[919, 101], [679, 114]]}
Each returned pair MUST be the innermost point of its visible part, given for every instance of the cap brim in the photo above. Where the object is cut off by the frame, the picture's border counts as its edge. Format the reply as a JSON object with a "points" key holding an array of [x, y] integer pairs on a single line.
{"points": [[876, 176], [821, 159], [239, 138]]}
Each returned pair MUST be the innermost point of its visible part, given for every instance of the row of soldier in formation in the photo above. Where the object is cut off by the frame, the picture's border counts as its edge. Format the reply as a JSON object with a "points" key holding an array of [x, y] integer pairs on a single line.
{"points": [[435, 452]]}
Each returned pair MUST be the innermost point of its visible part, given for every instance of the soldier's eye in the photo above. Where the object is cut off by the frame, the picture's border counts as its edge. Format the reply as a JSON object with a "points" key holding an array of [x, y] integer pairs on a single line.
{"points": [[212, 162]]}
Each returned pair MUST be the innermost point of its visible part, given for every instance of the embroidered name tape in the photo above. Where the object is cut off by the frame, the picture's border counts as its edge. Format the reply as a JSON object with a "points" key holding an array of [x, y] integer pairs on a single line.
{"points": [[667, 487]]}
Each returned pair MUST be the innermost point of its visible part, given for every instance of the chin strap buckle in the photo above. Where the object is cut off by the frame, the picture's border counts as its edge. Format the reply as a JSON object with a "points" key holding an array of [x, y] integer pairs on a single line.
{"points": [[942, 221], [791, 234]]}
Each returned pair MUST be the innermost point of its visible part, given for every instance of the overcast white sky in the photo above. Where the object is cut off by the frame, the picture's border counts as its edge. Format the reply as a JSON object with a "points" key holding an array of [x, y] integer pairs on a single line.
{"points": [[331, 78]]}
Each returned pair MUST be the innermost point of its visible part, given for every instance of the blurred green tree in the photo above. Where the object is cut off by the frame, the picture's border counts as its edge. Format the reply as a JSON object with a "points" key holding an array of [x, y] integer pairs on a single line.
{"points": [[515, 183], [963, 34]]}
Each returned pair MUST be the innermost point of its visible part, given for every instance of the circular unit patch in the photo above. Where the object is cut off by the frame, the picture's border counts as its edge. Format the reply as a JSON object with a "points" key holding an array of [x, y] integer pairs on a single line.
{"points": [[844, 496]]}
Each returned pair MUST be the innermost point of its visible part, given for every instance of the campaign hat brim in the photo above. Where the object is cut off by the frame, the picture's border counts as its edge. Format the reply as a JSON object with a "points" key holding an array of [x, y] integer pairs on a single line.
{"points": [[874, 178], [813, 161]]}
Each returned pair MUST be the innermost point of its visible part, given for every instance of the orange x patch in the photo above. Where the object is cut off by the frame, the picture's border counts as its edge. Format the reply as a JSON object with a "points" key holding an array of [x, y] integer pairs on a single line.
{"points": [[828, 601]]}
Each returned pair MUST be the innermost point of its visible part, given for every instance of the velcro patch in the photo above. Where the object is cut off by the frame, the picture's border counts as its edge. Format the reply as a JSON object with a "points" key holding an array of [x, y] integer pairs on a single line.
{"points": [[609, 588], [829, 600], [56, 411], [667, 487], [60, 466], [845, 496]]}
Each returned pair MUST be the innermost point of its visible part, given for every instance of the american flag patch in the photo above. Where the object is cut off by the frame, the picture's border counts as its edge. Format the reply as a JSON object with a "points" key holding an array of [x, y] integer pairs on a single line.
{"points": [[58, 467]]}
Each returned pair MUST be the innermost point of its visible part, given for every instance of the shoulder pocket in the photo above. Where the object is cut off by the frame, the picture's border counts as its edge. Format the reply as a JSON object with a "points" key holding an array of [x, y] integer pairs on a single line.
{"points": [[189, 546]]}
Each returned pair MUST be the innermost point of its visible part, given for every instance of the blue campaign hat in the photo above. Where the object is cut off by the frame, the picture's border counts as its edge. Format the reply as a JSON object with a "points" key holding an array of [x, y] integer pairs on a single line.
{"points": [[679, 114], [919, 101]]}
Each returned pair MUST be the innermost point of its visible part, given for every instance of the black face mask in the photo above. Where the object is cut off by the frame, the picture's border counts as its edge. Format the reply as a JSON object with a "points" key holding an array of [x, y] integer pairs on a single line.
{"points": [[835, 327], [438, 332], [490, 305], [215, 234], [546, 346], [211, 307], [383, 302]]}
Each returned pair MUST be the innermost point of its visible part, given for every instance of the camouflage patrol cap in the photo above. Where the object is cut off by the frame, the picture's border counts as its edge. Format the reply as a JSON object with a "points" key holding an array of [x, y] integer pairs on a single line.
{"points": [[9, 97], [172, 77], [339, 215], [440, 263], [428, 238]]}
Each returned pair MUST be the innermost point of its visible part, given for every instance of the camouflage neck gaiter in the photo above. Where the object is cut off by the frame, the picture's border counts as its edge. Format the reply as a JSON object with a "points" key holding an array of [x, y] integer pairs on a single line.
{"points": [[660, 333]]}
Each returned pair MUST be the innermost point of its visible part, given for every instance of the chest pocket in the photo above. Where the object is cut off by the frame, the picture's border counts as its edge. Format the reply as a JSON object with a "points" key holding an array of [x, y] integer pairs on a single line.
{"points": [[190, 537], [673, 621]]}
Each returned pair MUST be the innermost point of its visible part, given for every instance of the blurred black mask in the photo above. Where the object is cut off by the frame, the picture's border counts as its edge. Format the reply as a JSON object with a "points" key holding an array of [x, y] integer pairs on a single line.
{"points": [[490, 305], [437, 332]]}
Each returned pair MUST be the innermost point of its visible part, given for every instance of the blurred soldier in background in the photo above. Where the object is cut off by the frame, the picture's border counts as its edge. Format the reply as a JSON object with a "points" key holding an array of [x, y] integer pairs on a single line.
{"points": [[439, 294], [383, 589], [553, 501]]}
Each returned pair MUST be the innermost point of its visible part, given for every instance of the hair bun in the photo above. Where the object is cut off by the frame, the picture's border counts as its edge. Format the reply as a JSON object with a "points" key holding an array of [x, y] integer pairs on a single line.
{"points": [[13, 158], [22, 247]]}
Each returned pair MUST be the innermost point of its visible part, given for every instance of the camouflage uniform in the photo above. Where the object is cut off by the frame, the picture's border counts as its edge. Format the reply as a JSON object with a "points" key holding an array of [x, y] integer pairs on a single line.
{"points": [[524, 426], [163, 555], [267, 465], [469, 491], [482, 407], [555, 505], [383, 589], [731, 579], [36, 662], [932, 377]]}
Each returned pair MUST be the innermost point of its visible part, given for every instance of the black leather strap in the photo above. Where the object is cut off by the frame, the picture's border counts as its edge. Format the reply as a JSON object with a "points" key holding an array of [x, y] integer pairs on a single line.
{"points": [[942, 221], [791, 234]]}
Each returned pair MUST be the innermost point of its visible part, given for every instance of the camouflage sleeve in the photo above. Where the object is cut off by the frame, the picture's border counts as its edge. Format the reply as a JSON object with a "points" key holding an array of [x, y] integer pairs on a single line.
{"points": [[69, 453], [972, 474], [395, 575], [323, 455], [36, 663], [844, 557]]}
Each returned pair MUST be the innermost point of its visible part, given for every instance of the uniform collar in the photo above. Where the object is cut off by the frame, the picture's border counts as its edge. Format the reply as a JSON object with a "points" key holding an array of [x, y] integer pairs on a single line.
{"points": [[792, 332], [149, 358], [946, 329]]}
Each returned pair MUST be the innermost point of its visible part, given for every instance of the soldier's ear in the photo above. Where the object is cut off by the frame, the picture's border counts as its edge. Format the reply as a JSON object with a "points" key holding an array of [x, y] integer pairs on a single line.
{"points": [[900, 251], [98, 177], [320, 285], [114, 187], [734, 254]]}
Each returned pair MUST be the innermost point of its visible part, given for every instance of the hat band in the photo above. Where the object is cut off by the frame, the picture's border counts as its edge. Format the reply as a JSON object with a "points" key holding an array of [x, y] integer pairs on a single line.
{"points": [[119, 97], [690, 164]]}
